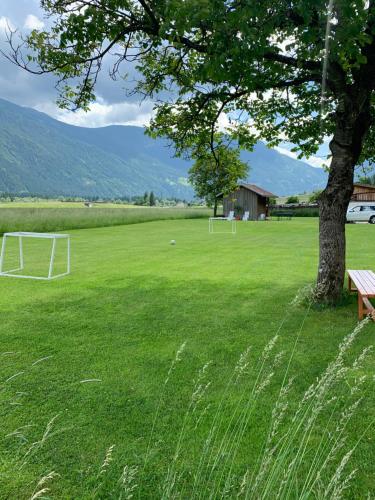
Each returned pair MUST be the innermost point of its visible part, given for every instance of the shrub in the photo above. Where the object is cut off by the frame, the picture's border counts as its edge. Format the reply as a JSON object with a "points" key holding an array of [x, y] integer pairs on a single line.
{"points": [[314, 198], [238, 210], [293, 199], [299, 212]]}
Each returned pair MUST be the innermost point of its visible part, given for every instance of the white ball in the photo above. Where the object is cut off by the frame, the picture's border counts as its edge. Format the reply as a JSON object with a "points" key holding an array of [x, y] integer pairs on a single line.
{"points": [[173, 242]]}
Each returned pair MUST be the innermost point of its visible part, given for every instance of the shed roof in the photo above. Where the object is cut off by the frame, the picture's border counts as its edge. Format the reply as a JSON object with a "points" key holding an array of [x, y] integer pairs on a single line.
{"points": [[258, 190]]}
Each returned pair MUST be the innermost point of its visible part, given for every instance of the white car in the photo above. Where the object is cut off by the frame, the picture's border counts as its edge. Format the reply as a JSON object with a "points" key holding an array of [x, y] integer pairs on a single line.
{"points": [[361, 213]]}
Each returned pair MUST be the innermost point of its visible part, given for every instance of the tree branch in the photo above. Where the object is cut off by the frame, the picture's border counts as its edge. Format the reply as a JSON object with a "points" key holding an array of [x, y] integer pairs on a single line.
{"points": [[292, 62]]}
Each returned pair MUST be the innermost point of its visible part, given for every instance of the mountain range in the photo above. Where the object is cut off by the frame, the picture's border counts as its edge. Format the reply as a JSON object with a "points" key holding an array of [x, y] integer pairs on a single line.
{"points": [[41, 155]]}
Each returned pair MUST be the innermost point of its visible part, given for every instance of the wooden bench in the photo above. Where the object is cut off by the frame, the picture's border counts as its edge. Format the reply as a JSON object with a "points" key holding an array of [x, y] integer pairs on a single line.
{"points": [[364, 282]]}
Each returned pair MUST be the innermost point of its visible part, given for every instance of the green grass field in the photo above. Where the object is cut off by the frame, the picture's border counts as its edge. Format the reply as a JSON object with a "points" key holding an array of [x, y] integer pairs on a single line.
{"points": [[117, 321]]}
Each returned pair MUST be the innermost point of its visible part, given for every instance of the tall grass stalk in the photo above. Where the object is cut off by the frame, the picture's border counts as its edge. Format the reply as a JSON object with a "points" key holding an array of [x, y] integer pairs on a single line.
{"points": [[103, 470], [37, 445], [172, 368], [199, 390], [289, 452], [127, 482], [41, 488], [240, 369], [281, 404], [232, 441]]}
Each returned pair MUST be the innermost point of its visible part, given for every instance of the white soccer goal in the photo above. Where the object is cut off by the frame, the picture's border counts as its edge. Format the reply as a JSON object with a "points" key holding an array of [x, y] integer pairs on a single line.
{"points": [[226, 226], [21, 262]]}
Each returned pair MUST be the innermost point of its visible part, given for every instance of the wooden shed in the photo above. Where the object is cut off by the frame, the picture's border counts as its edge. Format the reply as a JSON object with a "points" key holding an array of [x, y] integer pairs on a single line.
{"points": [[363, 192], [247, 198]]}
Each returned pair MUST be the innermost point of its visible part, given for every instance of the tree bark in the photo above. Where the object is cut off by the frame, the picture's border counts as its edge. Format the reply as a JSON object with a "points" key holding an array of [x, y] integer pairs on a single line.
{"points": [[352, 124], [215, 207], [333, 206]]}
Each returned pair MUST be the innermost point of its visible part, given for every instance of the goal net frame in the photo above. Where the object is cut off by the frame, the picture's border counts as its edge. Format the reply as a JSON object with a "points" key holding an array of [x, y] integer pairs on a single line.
{"points": [[233, 225], [21, 235]]}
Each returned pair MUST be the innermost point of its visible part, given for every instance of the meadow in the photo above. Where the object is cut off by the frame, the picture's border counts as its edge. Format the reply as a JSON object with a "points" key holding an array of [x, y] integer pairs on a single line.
{"points": [[59, 218], [95, 360], [40, 203]]}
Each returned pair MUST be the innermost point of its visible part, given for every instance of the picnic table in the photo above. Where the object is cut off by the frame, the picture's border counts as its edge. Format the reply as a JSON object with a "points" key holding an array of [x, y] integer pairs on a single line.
{"points": [[364, 282]]}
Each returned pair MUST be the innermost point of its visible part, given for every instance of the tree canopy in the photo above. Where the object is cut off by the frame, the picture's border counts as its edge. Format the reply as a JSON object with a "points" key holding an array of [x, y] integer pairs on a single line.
{"points": [[367, 179], [216, 172], [152, 199]]}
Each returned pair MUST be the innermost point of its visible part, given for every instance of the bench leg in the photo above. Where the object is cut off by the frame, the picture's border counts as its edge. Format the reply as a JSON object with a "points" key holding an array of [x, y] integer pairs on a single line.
{"points": [[369, 309], [360, 307]]}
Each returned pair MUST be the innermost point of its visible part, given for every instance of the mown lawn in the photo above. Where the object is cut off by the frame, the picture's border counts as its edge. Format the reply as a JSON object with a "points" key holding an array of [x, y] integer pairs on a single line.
{"points": [[118, 320]]}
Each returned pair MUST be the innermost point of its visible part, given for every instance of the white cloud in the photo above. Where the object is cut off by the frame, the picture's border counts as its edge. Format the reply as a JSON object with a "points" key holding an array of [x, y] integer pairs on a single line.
{"points": [[102, 114], [285, 152], [314, 161], [33, 22], [5, 24], [223, 122]]}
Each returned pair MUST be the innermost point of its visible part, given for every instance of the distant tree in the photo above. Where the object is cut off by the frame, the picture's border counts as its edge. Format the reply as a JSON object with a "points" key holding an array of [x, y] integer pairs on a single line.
{"points": [[293, 199], [138, 200], [367, 179], [146, 198], [272, 201], [152, 199], [215, 171], [314, 197]]}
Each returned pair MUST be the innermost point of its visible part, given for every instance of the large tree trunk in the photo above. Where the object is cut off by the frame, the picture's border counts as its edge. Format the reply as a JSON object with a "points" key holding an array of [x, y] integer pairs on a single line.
{"points": [[352, 124], [215, 207], [333, 206]]}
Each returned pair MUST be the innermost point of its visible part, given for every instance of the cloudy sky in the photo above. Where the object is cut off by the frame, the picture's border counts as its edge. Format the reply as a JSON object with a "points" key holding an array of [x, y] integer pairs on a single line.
{"points": [[20, 87], [38, 92]]}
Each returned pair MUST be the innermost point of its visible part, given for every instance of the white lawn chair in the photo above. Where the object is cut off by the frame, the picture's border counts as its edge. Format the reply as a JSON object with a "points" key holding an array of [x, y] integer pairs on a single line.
{"points": [[231, 215], [245, 216]]}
